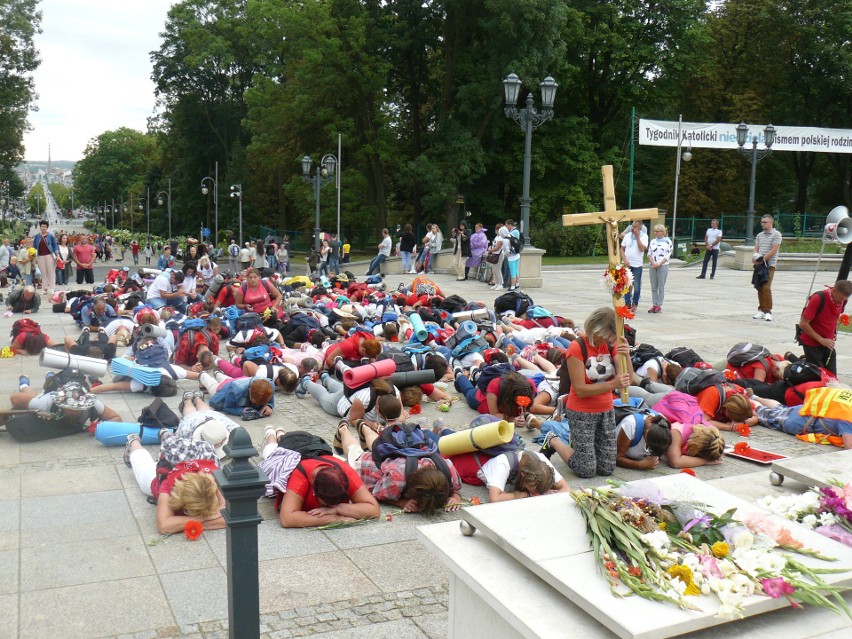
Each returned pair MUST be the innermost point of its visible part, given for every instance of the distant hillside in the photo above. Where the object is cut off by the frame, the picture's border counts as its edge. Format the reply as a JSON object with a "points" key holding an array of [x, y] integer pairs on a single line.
{"points": [[35, 165]]}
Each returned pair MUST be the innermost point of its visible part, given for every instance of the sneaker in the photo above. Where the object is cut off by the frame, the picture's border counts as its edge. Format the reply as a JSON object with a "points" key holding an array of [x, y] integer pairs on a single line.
{"points": [[187, 397], [458, 370], [768, 317], [438, 426], [759, 315], [199, 394], [546, 449], [653, 309], [701, 277], [23, 380], [302, 387], [48, 376], [132, 437]]}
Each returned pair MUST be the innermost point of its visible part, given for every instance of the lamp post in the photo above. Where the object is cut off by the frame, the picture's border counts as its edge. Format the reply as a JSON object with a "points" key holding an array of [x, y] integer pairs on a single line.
{"points": [[756, 156], [529, 119], [38, 205], [687, 156], [168, 195], [237, 192], [72, 203], [147, 199], [204, 191], [325, 173]]}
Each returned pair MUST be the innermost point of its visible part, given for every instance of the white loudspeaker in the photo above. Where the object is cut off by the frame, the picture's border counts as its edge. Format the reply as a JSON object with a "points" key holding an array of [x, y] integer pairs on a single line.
{"points": [[838, 227]]}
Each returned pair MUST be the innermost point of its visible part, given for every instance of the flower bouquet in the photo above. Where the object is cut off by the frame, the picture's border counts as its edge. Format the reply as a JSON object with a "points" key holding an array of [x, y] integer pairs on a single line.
{"points": [[671, 551], [826, 510], [618, 279]]}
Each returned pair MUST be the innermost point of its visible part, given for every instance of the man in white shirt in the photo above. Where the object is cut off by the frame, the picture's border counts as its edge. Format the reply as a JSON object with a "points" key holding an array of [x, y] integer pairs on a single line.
{"points": [[167, 290], [633, 247], [712, 239], [384, 252]]}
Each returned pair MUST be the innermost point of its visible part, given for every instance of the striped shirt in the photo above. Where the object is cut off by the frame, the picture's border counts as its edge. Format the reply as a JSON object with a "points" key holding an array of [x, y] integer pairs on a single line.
{"points": [[764, 242]]}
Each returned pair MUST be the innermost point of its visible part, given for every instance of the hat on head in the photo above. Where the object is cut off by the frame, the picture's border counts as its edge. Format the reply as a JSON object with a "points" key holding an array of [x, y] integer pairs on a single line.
{"points": [[72, 395], [215, 433]]}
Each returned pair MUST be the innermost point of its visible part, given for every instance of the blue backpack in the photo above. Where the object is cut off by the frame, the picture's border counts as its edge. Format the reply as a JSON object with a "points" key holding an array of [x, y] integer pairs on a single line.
{"points": [[408, 441]]}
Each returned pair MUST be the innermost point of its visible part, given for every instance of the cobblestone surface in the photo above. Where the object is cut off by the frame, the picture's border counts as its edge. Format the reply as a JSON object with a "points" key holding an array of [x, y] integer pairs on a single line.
{"points": [[323, 618]]}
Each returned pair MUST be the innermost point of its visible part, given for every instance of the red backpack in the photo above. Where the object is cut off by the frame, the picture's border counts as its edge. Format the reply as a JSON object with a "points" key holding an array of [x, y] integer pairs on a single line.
{"points": [[25, 325], [190, 341]]}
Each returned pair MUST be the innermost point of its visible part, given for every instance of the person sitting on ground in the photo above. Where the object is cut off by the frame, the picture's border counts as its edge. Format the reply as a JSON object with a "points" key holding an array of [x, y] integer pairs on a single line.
{"points": [[167, 290], [188, 492], [23, 300], [426, 490]]}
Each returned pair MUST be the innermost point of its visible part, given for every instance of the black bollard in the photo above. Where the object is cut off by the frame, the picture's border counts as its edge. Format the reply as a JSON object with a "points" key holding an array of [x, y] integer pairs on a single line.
{"points": [[242, 483]]}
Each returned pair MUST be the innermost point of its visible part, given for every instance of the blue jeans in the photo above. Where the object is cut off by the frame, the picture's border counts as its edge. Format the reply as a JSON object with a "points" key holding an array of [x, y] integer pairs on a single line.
{"points": [[60, 277], [506, 275], [406, 261], [466, 388], [632, 298], [334, 264], [375, 264]]}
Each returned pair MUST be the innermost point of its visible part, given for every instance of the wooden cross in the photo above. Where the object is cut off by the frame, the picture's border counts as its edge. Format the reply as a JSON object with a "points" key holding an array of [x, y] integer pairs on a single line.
{"points": [[611, 216]]}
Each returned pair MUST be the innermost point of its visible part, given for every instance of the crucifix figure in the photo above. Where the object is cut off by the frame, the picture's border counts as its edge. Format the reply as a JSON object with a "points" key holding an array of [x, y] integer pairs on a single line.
{"points": [[611, 217]]}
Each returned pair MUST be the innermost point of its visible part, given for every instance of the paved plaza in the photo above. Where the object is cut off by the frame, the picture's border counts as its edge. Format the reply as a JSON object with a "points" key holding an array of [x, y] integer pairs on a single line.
{"points": [[81, 558]]}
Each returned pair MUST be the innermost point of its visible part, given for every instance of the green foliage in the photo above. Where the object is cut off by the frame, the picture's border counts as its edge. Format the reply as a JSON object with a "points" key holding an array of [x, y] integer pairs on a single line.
{"points": [[575, 240], [62, 195], [19, 23]]}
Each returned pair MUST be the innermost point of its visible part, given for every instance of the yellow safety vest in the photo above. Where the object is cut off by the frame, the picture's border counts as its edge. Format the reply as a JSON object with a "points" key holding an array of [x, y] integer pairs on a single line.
{"points": [[833, 403]]}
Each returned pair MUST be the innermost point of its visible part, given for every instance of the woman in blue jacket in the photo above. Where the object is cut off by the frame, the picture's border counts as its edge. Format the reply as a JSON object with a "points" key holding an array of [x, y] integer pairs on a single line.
{"points": [[46, 248]]}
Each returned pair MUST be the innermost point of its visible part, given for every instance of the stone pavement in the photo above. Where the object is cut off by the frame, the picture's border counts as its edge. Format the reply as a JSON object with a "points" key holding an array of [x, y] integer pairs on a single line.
{"points": [[81, 558]]}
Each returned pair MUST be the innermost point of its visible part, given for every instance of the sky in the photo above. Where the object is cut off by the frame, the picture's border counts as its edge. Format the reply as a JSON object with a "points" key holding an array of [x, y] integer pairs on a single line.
{"points": [[95, 72]]}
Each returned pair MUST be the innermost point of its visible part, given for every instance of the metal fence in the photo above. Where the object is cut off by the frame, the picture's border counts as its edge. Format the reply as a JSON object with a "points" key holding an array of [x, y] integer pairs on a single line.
{"points": [[361, 239], [733, 226]]}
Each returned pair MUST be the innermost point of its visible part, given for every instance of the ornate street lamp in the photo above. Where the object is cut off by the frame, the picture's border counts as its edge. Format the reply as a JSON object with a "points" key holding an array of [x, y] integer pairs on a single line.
{"points": [[237, 192], [214, 181], [756, 156], [323, 175], [528, 119]]}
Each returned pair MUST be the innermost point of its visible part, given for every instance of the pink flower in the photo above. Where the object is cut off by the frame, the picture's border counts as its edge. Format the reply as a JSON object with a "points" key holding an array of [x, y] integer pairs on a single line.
{"points": [[709, 566], [777, 587]]}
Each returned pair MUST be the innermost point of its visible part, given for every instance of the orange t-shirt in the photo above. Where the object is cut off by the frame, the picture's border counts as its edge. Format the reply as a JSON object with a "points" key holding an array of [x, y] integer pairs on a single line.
{"points": [[600, 367]]}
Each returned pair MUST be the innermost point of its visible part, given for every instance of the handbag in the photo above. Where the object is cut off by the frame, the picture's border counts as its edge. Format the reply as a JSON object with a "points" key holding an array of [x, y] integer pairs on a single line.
{"points": [[60, 263], [492, 258]]}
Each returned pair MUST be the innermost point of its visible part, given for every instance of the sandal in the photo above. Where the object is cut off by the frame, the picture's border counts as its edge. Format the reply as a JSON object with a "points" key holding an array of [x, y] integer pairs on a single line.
{"points": [[338, 440], [132, 437], [187, 396], [360, 425]]}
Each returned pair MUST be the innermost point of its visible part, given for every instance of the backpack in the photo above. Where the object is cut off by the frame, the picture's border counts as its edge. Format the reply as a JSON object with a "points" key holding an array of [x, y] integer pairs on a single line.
{"points": [[745, 353], [155, 356], [408, 441], [686, 357], [193, 332], [234, 250], [306, 444], [622, 411], [489, 372], [403, 361], [25, 325], [87, 339], [62, 377], [516, 244], [76, 307], [453, 303], [261, 353], [681, 408], [643, 353], [513, 301], [247, 322], [694, 380], [802, 372]]}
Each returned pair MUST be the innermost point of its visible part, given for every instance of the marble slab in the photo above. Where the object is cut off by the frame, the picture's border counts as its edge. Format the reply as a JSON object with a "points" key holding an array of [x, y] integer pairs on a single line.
{"points": [[548, 536], [492, 595], [817, 470]]}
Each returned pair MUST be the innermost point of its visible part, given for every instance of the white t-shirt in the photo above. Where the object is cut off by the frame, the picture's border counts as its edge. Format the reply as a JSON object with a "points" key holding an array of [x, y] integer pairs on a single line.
{"points": [[385, 246], [660, 249], [628, 425], [652, 364], [504, 245], [345, 403], [495, 472], [712, 235], [161, 284], [631, 248]]}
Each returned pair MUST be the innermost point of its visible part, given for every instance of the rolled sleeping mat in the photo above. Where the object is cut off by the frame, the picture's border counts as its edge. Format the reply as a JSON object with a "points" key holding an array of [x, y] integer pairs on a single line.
{"points": [[151, 271], [474, 439], [478, 314], [410, 378], [51, 358], [297, 300], [153, 330], [360, 375], [469, 327], [142, 374], [115, 433], [418, 327]]}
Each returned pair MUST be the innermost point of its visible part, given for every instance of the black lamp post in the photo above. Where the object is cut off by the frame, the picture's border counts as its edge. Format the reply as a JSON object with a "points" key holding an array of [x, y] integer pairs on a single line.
{"points": [[237, 192], [323, 175], [756, 156], [214, 181], [168, 195], [528, 119]]}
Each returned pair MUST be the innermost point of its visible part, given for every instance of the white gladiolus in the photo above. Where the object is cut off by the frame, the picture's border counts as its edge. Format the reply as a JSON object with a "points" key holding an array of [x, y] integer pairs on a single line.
{"points": [[809, 521], [744, 540]]}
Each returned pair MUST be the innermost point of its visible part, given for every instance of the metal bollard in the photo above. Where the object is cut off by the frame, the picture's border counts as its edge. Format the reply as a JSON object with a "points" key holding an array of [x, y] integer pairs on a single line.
{"points": [[242, 483]]}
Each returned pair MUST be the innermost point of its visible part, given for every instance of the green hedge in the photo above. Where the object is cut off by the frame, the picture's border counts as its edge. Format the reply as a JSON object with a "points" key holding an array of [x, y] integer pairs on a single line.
{"points": [[560, 240]]}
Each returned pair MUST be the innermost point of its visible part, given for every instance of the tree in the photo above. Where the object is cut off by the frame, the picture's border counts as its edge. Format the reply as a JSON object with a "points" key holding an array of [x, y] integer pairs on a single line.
{"points": [[19, 22]]}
